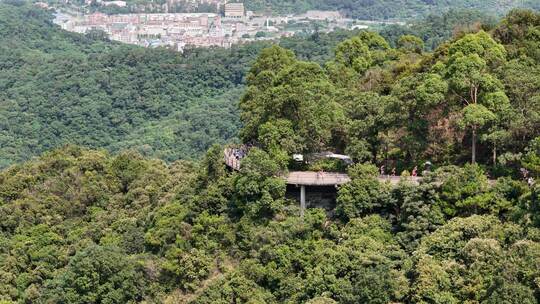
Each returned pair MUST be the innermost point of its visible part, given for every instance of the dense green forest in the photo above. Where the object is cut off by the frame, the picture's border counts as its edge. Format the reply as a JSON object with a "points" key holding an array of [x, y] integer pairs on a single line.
{"points": [[81, 226], [84, 226], [58, 87], [435, 29], [389, 9], [475, 98]]}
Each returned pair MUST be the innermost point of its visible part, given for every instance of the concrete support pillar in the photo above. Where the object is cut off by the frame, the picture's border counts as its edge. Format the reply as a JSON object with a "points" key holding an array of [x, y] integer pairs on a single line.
{"points": [[302, 200]]}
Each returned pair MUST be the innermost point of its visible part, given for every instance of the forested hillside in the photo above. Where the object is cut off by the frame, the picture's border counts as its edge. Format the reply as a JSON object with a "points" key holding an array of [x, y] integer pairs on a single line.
{"points": [[475, 98], [389, 9], [58, 87], [85, 226], [358, 9], [81, 226], [435, 29]]}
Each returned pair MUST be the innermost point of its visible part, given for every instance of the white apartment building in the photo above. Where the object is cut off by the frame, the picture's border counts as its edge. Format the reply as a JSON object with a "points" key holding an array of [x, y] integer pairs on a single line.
{"points": [[234, 10]]}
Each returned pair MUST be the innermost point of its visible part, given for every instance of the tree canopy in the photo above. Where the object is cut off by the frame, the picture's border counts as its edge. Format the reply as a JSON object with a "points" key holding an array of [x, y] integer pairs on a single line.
{"points": [[400, 106], [59, 87], [85, 225]]}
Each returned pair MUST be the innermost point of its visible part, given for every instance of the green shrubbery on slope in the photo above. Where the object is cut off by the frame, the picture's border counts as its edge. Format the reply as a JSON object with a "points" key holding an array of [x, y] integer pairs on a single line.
{"points": [[82, 226]]}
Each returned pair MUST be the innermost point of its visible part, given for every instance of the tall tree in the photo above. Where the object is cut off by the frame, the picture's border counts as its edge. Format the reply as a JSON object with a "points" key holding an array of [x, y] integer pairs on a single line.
{"points": [[469, 70], [297, 92]]}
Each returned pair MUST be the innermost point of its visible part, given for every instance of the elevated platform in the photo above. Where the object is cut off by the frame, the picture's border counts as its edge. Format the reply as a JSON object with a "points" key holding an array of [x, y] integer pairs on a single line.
{"points": [[312, 178], [233, 158], [304, 179]]}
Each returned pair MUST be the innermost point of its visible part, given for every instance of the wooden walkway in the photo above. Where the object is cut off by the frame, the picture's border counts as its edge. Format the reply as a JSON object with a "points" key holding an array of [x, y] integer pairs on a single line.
{"points": [[230, 159]]}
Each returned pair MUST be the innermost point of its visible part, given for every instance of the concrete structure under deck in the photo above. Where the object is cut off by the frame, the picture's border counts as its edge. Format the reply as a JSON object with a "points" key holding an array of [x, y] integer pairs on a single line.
{"points": [[324, 185]]}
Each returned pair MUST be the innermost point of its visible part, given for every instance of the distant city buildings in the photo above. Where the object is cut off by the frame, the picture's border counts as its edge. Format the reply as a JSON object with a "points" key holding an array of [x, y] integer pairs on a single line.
{"points": [[117, 3], [234, 10], [201, 29], [42, 5], [322, 15], [178, 30]]}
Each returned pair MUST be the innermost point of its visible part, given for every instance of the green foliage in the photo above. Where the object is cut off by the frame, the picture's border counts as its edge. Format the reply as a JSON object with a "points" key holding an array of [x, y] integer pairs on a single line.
{"points": [[363, 195], [84, 226], [296, 94], [397, 107], [321, 300], [97, 275], [235, 287], [258, 189], [460, 185], [64, 88], [158, 101], [386, 9], [279, 139], [167, 225], [76, 199], [410, 43], [363, 171], [531, 160], [367, 119], [469, 259], [435, 29], [416, 211], [328, 165], [102, 94], [187, 268], [476, 116]]}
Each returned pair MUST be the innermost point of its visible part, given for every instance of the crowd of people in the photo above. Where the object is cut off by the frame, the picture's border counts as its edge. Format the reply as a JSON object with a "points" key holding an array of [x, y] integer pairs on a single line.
{"points": [[414, 172]]}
